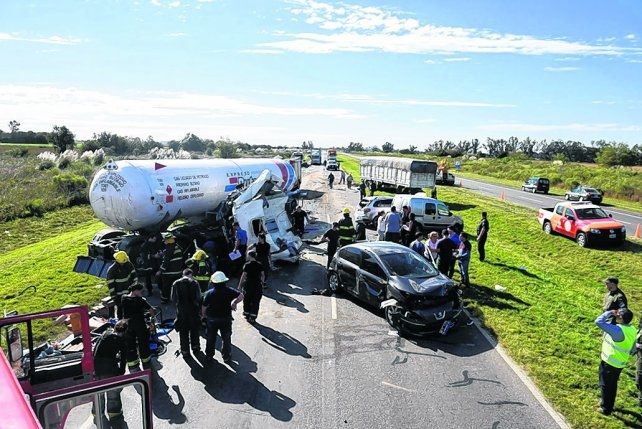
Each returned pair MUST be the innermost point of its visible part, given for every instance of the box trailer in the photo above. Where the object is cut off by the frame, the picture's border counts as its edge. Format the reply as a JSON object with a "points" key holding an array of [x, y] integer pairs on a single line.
{"points": [[403, 175]]}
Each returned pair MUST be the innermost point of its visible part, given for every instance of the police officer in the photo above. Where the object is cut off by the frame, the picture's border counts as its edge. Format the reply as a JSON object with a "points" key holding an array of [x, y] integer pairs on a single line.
{"points": [[110, 355], [186, 293], [199, 266], [120, 276], [134, 309], [251, 284], [346, 228], [171, 267], [614, 299], [218, 303]]}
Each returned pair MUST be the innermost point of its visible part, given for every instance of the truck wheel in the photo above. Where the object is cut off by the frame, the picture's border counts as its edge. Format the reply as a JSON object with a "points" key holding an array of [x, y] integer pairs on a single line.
{"points": [[547, 228], [581, 239]]}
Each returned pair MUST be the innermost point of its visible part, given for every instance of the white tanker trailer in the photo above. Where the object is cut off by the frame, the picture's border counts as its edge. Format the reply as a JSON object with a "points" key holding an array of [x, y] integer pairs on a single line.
{"points": [[137, 198]]}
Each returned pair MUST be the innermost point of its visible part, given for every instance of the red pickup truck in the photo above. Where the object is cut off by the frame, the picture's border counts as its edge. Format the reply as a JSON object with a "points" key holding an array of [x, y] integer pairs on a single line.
{"points": [[585, 222]]}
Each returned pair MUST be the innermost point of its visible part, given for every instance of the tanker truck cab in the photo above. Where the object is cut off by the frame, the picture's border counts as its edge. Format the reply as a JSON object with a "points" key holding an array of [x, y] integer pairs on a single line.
{"points": [[430, 213], [261, 208]]}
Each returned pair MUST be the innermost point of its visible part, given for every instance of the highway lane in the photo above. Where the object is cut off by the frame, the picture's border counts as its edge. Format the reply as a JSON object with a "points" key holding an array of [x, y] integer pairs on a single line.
{"points": [[328, 362], [536, 201]]}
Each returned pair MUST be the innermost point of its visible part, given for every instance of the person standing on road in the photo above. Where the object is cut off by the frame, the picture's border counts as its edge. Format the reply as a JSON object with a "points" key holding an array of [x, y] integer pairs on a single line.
{"points": [[463, 257], [240, 244], [110, 354], [120, 276], [482, 235], [263, 255], [618, 344], [186, 293], [392, 223], [342, 177], [362, 190], [251, 284], [373, 188], [134, 309], [218, 303], [614, 299], [349, 180], [331, 236], [300, 216], [330, 180], [417, 245], [171, 267], [381, 225], [445, 248], [200, 268], [346, 229], [150, 256]]}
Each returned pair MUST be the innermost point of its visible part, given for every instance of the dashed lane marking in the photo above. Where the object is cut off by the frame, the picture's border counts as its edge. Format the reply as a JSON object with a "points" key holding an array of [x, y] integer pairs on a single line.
{"points": [[333, 301]]}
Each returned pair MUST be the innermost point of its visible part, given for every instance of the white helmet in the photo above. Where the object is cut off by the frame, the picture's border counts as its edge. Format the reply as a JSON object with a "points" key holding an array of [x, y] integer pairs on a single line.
{"points": [[218, 277]]}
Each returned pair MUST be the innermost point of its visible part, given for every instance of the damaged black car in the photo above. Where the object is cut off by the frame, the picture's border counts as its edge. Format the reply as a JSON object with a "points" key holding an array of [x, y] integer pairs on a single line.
{"points": [[416, 298]]}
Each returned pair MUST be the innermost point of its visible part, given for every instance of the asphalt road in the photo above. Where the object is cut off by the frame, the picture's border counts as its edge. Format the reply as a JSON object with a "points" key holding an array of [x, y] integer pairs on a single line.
{"points": [[536, 201], [328, 362]]}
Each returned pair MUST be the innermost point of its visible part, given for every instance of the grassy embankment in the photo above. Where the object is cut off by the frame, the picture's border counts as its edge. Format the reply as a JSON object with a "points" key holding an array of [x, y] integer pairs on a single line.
{"points": [[545, 316]]}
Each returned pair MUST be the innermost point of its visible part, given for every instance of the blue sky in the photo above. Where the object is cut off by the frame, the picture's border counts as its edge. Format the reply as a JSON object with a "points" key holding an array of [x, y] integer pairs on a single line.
{"points": [[280, 72]]}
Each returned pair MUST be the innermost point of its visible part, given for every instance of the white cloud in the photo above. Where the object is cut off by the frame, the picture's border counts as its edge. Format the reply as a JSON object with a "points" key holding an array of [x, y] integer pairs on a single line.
{"points": [[567, 59], [456, 59], [354, 28], [560, 69], [431, 62], [576, 127], [177, 34], [50, 40], [87, 111], [630, 36], [262, 51], [602, 102], [634, 61]]}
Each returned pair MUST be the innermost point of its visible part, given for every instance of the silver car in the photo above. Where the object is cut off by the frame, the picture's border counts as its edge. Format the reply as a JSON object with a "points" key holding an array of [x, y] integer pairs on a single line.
{"points": [[369, 208]]}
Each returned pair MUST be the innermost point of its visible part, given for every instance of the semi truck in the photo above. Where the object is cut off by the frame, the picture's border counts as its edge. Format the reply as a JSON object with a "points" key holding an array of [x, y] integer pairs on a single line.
{"points": [[315, 156], [401, 175]]}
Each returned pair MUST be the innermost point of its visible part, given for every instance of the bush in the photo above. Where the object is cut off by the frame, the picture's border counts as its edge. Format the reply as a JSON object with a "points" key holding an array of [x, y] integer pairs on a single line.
{"points": [[46, 165], [74, 186], [19, 152], [35, 207]]}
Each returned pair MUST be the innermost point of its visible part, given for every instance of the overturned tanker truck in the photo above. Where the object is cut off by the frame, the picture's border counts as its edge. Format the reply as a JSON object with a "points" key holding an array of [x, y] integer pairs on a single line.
{"points": [[195, 201]]}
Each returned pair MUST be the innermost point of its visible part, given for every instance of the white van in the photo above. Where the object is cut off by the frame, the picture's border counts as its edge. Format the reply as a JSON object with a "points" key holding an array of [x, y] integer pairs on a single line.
{"points": [[430, 213]]}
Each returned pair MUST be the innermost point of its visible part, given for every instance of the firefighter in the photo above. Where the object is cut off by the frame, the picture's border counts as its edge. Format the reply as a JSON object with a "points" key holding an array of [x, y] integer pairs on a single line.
{"points": [[135, 308], [186, 292], [251, 284], [149, 260], [171, 267], [198, 264], [120, 276], [110, 355], [346, 229]]}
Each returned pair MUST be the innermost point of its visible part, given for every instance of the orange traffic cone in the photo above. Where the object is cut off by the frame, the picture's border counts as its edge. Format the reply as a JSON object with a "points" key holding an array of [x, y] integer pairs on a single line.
{"points": [[637, 232]]}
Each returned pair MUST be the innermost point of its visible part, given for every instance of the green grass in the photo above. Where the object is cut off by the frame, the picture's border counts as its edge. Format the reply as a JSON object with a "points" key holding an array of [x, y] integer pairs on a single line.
{"points": [[545, 317]]}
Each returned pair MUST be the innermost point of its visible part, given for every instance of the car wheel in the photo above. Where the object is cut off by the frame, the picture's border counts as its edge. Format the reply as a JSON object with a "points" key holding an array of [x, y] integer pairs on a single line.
{"points": [[393, 313], [333, 282], [566, 197], [581, 239], [547, 228]]}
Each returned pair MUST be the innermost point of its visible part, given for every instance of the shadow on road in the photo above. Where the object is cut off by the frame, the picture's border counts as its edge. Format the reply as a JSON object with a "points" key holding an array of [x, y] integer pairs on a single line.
{"points": [[282, 341], [163, 405]]}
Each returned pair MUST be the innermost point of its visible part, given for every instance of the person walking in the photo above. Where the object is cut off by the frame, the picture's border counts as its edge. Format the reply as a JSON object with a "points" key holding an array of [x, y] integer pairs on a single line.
{"points": [[120, 276], [251, 284], [373, 188], [393, 224], [482, 235], [463, 257], [346, 228], [349, 180], [417, 244], [614, 299], [263, 255], [171, 267], [150, 255], [362, 190], [299, 216], [110, 360], [342, 177], [381, 225], [331, 237], [240, 244], [330, 180], [445, 249], [200, 268], [135, 308], [218, 303], [618, 344], [186, 293]]}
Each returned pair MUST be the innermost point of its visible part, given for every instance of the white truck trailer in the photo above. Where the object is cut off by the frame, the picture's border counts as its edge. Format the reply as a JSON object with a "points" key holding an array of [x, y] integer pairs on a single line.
{"points": [[403, 175]]}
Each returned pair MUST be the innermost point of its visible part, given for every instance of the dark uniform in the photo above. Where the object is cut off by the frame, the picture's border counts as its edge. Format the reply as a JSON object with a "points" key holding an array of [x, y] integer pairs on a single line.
{"points": [[482, 235], [346, 230], [615, 300], [333, 243], [217, 302], [263, 256], [252, 289], [134, 309], [445, 248], [186, 292], [109, 361], [201, 270], [299, 221], [171, 269], [119, 278], [373, 188], [362, 190], [148, 262]]}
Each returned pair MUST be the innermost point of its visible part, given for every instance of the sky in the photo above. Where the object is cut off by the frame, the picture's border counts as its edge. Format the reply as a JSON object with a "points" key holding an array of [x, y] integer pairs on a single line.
{"points": [[282, 72]]}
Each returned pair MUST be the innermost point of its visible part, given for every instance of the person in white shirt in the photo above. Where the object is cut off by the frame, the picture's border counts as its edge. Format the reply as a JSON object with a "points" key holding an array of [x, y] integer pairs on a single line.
{"points": [[381, 225]]}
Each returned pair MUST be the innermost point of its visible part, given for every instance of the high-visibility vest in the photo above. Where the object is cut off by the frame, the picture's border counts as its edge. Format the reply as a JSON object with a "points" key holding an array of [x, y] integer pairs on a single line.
{"points": [[617, 353]]}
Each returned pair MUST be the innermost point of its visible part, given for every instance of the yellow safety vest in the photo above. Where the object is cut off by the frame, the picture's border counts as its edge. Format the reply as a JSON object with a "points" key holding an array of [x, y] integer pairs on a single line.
{"points": [[617, 353]]}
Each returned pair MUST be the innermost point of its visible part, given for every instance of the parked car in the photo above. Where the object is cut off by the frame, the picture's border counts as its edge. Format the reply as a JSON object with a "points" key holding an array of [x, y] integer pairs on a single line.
{"points": [[332, 164], [430, 213], [584, 193], [417, 299], [585, 222], [448, 180], [536, 184], [369, 208]]}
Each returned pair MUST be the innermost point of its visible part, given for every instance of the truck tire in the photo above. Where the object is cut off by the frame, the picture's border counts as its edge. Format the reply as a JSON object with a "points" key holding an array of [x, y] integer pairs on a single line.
{"points": [[582, 239], [548, 229]]}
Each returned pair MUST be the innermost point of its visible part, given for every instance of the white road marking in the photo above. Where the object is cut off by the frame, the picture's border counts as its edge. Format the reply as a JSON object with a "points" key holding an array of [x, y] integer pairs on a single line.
{"points": [[333, 301], [394, 386]]}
